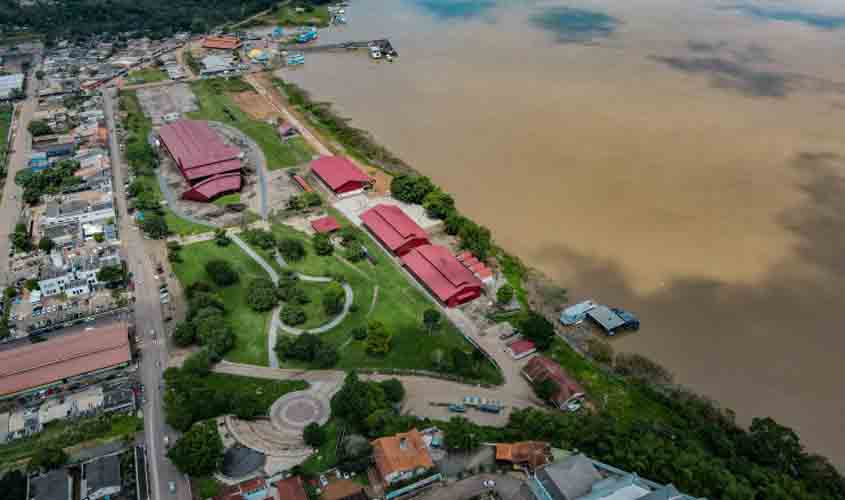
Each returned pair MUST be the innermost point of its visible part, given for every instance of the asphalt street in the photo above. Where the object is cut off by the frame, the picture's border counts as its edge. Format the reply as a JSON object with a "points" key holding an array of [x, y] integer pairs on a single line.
{"points": [[148, 318]]}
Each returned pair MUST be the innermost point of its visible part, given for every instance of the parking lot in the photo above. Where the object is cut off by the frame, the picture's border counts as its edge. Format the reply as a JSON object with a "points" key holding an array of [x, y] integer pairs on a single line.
{"points": [[158, 102]]}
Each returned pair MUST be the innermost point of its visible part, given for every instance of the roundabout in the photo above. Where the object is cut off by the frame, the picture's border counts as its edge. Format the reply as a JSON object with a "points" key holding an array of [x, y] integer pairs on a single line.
{"points": [[293, 412]]}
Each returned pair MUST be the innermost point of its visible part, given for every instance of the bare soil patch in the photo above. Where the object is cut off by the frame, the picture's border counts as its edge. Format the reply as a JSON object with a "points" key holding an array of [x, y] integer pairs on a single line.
{"points": [[254, 105]]}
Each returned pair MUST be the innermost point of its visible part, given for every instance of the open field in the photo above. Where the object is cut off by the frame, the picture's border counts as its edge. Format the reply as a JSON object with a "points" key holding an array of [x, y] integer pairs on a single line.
{"points": [[254, 105], [268, 390], [182, 227], [216, 104], [5, 123], [287, 16], [146, 75], [399, 306], [250, 327]]}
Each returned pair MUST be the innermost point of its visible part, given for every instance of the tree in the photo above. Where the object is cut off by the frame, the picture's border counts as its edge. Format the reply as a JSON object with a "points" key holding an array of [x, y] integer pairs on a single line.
{"points": [[378, 338], [221, 272], [292, 249], [221, 238], [600, 350], [111, 275], [46, 245], [155, 226], [437, 358], [411, 189], [640, 367], [431, 319], [354, 253], [454, 222], [293, 315], [198, 364], [38, 128], [314, 435], [537, 329], [13, 484], [261, 295], [357, 400], [393, 390], [20, 238], [40, 75], [773, 445], [461, 434], [545, 389], [260, 238], [322, 244], [199, 452], [333, 298], [184, 334], [504, 294], [47, 458], [215, 334], [477, 239], [10, 292], [438, 204]]}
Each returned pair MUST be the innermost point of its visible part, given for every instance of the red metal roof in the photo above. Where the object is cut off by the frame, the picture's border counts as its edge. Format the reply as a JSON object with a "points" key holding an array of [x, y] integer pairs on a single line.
{"points": [[63, 357], [521, 347], [198, 150], [338, 171], [221, 42], [540, 368], [212, 187], [471, 261], [325, 225], [291, 489], [466, 254], [443, 274], [398, 232]]}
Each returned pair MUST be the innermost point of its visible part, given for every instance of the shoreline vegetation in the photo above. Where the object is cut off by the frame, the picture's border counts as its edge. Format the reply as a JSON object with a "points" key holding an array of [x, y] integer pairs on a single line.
{"points": [[643, 422]]}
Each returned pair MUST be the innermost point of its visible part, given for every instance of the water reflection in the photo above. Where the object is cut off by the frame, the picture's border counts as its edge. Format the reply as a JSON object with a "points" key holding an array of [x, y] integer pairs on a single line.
{"points": [[573, 25], [791, 15], [446, 10]]}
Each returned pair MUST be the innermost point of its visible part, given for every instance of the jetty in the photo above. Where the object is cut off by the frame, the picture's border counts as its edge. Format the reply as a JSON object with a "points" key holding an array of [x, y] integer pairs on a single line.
{"points": [[383, 44]]}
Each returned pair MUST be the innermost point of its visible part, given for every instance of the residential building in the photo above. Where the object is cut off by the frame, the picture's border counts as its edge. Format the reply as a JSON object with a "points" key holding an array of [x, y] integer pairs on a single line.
{"points": [[251, 489], [75, 275], [340, 175], [216, 65], [290, 489], [221, 42], [54, 485], [100, 478], [66, 360], [442, 274], [392, 227], [569, 479], [343, 489], [402, 458], [540, 368], [531, 454], [521, 348], [11, 86], [78, 210]]}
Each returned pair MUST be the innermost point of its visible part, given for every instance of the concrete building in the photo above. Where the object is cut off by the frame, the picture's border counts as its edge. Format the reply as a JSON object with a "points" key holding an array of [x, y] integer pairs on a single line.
{"points": [[100, 478], [402, 459], [340, 175], [11, 86], [77, 210], [54, 485]]}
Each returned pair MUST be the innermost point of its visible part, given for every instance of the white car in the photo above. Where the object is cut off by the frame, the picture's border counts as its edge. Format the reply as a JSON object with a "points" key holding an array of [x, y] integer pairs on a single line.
{"points": [[323, 481], [172, 486], [489, 483]]}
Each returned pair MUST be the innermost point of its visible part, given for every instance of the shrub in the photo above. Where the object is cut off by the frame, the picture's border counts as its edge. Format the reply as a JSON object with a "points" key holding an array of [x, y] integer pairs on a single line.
{"points": [[293, 315], [411, 189], [221, 272], [438, 204], [221, 238], [354, 253], [333, 298], [504, 294], [359, 333], [600, 350], [314, 435], [309, 348], [640, 367], [292, 249], [378, 338], [261, 295], [260, 238], [322, 244]]}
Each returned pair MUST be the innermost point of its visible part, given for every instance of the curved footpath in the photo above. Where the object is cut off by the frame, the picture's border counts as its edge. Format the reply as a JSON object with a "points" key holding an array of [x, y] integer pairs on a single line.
{"points": [[275, 322]]}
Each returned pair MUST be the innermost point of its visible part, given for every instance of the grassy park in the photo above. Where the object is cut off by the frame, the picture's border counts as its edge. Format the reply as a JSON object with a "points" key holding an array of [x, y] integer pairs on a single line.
{"points": [[287, 15], [146, 75], [215, 104], [250, 327]]}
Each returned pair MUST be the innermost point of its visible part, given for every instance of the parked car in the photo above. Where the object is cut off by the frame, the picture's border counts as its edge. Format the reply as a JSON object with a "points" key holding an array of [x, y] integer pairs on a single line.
{"points": [[171, 485], [489, 483]]}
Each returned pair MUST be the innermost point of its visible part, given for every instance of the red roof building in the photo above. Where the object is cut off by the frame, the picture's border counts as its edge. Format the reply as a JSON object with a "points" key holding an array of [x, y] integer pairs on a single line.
{"points": [[212, 187], [198, 151], [290, 489], [221, 42], [340, 175], [325, 225], [521, 349], [394, 229], [35, 366], [441, 273], [541, 368]]}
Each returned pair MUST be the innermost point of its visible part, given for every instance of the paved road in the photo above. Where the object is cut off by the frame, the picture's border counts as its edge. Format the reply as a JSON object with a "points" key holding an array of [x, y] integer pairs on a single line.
{"points": [[11, 203], [508, 488], [147, 317]]}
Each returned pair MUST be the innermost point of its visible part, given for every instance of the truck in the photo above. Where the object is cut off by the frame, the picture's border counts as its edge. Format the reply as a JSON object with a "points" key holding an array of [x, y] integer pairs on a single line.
{"points": [[457, 408], [491, 407]]}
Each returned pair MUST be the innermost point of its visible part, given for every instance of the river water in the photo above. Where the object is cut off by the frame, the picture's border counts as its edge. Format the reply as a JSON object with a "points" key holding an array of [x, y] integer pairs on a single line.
{"points": [[683, 160]]}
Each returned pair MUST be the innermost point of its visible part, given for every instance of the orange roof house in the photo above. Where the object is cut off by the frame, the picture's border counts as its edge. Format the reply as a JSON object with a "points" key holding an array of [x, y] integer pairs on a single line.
{"points": [[221, 42], [530, 453], [402, 456]]}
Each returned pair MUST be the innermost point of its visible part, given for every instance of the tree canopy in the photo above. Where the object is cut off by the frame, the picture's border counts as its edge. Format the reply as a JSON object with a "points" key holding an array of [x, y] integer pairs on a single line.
{"points": [[199, 452], [221, 272]]}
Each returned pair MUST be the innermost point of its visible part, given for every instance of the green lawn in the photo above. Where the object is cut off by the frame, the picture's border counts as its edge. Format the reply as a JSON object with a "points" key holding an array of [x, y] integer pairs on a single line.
{"points": [[5, 123], [146, 75], [227, 199], [287, 16], [269, 390], [326, 456], [314, 313], [182, 227], [67, 434], [399, 306], [250, 327], [216, 105]]}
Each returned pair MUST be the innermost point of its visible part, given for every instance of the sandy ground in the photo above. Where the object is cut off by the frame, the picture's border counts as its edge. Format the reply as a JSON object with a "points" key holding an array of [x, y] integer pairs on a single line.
{"points": [[254, 105]]}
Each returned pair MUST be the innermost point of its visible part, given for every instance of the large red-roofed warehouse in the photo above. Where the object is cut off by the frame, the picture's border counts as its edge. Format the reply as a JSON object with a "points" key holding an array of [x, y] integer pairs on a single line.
{"points": [[201, 155], [442, 274], [394, 229], [63, 359], [340, 175]]}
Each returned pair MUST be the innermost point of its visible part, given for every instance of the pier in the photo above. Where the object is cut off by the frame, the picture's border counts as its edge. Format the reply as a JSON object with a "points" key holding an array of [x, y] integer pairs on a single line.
{"points": [[383, 44]]}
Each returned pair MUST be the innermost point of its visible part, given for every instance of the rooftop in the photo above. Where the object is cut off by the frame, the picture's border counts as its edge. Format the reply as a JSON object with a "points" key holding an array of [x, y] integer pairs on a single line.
{"points": [[440, 271], [337, 171], [402, 452], [101, 473], [198, 150], [35, 365], [325, 224], [221, 42], [291, 488], [393, 227]]}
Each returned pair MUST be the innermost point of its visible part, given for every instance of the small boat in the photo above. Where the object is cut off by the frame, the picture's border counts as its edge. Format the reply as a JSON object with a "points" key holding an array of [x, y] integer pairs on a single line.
{"points": [[375, 52]]}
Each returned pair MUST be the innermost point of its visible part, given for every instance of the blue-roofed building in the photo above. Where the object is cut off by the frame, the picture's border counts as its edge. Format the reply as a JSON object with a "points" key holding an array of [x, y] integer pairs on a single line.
{"points": [[577, 313], [278, 32]]}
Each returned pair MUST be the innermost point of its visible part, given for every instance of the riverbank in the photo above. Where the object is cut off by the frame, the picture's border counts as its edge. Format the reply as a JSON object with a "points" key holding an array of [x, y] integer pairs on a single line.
{"points": [[633, 393]]}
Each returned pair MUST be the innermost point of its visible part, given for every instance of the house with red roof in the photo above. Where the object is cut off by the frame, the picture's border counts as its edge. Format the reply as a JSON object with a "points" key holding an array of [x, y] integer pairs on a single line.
{"points": [[521, 348], [290, 489], [340, 175], [221, 42], [326, 224], [442, 274], [394, 229], [202, 157], [540, 368]]}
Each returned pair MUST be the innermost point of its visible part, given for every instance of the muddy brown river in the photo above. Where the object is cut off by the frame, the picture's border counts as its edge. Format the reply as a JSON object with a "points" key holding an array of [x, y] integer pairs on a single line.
{"points": [[683, 160]]}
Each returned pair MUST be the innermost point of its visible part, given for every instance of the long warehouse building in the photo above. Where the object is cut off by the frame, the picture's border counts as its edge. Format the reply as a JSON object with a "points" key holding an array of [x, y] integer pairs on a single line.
{"points": [[65, 360]]}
